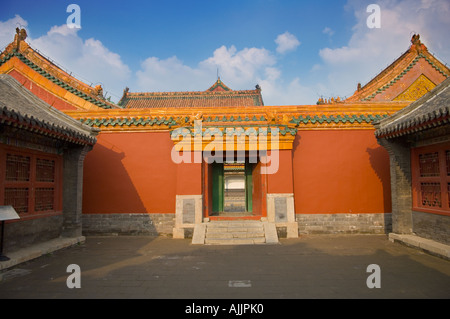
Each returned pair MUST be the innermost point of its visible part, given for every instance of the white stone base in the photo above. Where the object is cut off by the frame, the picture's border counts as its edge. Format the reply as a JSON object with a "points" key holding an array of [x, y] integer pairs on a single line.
{"points": [[188, 213], [283, 219]]}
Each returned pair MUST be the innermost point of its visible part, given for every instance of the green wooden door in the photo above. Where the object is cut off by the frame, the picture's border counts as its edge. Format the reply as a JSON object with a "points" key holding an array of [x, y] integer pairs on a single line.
{"points": [[217, 187], [248, 187]]}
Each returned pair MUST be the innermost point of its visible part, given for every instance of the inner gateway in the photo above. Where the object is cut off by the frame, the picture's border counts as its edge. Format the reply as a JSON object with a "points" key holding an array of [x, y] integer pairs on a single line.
{"points": [[234, 188]]}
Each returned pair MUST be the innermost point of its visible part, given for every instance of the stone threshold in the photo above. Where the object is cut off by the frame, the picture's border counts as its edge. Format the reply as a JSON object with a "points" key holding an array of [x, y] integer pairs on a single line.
{"points": [[427, 245], [38, 250]]}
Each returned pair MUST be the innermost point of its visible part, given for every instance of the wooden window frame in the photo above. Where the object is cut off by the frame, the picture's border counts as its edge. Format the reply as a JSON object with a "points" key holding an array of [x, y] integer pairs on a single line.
{"points": [[33, 183], [443, 178]]}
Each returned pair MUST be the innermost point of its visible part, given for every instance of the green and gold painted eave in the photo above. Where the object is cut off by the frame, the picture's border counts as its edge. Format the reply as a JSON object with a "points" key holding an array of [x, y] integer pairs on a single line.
{"points": [[286, 121], [309, 116]]}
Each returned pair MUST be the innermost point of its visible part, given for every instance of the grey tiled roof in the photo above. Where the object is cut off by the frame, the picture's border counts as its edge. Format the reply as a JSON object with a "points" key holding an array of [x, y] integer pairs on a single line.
{"points": [[431, 110], [20, 107]]}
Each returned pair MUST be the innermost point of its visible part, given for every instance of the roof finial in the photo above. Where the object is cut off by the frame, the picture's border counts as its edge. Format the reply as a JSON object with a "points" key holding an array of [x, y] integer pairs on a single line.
{"points": [[21, 35], [417, 44], [416, 39]]}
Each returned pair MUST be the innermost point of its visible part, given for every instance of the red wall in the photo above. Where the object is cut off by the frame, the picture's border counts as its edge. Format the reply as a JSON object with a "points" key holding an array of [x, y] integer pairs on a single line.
{"points": [[130, 173], [336, 171], [281, 181], [189, 177], [340, 171]]}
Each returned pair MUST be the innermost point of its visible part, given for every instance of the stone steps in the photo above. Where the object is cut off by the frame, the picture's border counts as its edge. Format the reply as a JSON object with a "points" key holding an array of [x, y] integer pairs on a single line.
{"points": [[239, 232]]}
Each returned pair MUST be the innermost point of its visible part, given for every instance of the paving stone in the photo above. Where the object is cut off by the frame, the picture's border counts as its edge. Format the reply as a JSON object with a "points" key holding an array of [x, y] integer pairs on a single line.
{"points": [[312, 266]]}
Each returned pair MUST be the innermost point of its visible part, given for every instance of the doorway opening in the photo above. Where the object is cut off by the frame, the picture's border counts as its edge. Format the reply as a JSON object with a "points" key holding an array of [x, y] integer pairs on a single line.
{"points": [[235, 190]]}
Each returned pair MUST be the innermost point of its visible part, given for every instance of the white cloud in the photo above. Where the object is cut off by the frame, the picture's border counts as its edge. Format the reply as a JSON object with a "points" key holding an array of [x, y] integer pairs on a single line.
{"points": [[276, 92], [369, 51], [366, 53], [239, 69], [169, 74], [89, 60], [8, 30], [328, 31], [286, 42]]}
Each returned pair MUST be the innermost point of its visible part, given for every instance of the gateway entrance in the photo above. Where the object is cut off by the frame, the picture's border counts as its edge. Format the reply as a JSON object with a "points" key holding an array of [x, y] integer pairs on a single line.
{"points": [[232, 189], [235, 189]]}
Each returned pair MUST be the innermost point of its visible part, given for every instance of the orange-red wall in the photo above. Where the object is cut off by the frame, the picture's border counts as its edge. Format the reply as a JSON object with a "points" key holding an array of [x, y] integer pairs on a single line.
{"points": [[281, 181], [130, 173], [340, 171], [189, 177], [335, 171]]}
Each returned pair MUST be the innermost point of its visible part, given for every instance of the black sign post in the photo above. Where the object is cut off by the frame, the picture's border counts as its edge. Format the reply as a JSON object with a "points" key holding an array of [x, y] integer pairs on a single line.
{"points": [[6, 213]]}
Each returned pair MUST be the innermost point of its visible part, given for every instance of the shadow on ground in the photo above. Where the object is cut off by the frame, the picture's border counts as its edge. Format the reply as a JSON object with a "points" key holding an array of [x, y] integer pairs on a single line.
{"points": [[311, 267]]}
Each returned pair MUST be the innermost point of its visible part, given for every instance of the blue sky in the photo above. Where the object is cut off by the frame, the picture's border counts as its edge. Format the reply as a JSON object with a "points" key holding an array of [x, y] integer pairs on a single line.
{"points": [[297, 51]]}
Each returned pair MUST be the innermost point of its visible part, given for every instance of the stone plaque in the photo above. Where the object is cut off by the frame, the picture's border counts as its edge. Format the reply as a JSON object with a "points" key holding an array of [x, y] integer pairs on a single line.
{"points": [[188, 211], [280, 210]]}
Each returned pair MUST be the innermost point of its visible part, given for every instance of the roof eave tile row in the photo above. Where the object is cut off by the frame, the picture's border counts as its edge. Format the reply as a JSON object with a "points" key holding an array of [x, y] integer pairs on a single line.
{"points": [[14, 118], [431, 110], [438, 118]]}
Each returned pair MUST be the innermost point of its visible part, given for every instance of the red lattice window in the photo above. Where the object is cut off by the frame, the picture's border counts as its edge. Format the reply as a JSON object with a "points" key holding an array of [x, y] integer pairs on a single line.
{"points": [[447, 160], [17, 168], [30, 181], [448, 193], [430, 194], [431, 178], [45, 170], [429, 164], [18, 198], [44, 199]]}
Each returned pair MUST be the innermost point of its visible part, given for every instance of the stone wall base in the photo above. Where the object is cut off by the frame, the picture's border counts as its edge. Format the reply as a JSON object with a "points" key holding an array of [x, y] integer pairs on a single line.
{"points": [[344, 223], [23, 233], [128, 224], [432, 226], [164, 224]]}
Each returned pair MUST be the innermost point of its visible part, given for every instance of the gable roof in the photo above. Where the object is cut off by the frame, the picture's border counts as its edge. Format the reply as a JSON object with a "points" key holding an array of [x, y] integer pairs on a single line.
{"points": [[431, 110], [412, 75], [218, 95], [19, 107], [19, 56]]}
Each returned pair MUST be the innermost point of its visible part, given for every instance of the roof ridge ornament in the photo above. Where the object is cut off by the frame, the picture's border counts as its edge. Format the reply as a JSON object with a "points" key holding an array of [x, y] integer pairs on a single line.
{"points": [[417, 44], [21, 35]]}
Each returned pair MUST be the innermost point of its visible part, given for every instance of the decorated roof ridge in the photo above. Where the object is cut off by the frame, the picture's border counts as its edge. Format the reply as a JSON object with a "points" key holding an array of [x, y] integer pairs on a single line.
{"points": [[187, 93], [48, 69], [397, 69], [429, 111], [219, 86], [19, 107], [344, 108], [218, 92], [211, 91]]}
